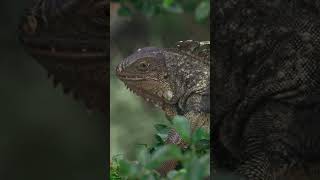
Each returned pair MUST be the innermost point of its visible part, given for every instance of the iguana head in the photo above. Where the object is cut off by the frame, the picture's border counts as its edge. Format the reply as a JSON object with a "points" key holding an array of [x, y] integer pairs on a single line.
{"points": [[73, 29], [69, 39], [167, 76], [146, 74]]}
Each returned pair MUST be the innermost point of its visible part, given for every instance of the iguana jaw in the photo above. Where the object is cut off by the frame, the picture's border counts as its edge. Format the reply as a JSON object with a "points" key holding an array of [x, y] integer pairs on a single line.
{"points": [[156, 101], [124, 77], [150, 89]]}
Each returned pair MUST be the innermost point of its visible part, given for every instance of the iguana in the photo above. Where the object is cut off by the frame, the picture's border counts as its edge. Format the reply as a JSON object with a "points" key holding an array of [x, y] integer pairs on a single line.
{"points": [[266, 90], [69, 38], [174, 79]]}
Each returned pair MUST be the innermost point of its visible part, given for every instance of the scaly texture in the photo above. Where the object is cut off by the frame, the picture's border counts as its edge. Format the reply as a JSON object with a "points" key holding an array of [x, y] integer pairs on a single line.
{"points": [[69, 38], [266, 88], [175, 79]]}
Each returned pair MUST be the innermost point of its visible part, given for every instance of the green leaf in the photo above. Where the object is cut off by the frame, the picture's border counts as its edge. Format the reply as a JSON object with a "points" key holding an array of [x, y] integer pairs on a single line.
{"points": [[203, 145], [198, 168], [148, 9], [172, 174], [167, 2], [202, 11], [199, 134], [162, 128], [127, 169], [114, 171], [124, 11], [148, 177], [162, 134], [161, 138], [174, 8], [164, 153], [182, 126], [143, 156]]}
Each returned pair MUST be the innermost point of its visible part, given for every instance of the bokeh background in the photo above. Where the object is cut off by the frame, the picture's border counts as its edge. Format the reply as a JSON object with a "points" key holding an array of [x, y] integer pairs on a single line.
{"points": [[44, 134], [137, 24]]}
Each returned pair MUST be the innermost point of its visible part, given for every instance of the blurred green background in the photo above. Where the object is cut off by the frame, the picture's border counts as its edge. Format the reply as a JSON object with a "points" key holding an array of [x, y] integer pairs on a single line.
{"points": [[136, 24], [44, 134]]}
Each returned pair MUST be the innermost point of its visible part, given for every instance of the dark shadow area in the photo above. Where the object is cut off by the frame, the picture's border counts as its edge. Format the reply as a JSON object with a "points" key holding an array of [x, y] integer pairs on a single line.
{"points": [[44, 134]]}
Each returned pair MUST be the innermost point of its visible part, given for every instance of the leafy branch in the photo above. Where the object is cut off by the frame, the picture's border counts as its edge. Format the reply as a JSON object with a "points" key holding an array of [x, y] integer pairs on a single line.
{"points": [[200, 8], [194, 161]]}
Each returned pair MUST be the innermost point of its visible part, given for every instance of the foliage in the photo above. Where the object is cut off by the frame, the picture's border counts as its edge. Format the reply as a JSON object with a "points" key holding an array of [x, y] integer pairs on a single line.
{"points": [[200, 8], [114, 170], [194, 161]]}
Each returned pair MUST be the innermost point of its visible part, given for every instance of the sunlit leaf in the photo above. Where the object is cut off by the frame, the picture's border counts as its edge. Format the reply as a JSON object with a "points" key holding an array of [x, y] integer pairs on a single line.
{"points": [[128, 169], [174, 8], [143, 156], [167, 2], [199, 134], [202, 11], [182, 126], [164, 153], [124, 11], [198, 168]]}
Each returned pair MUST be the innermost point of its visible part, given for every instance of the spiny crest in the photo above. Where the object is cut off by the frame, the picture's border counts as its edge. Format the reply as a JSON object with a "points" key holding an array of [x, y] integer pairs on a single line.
{"points": [[87, 82], [199, 49]]}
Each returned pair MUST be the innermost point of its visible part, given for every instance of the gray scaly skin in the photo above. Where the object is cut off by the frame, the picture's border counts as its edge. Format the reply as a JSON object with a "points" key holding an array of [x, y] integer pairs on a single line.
{"points": [[174, 79], [266, 89], [69, 39]]}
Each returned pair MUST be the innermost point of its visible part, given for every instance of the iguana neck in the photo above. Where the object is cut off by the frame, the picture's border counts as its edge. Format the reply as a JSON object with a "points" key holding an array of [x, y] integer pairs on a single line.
{"points": [[188, 74]]}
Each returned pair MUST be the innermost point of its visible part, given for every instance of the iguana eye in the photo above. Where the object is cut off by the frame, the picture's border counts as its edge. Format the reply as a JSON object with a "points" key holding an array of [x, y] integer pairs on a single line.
{"points": [[143, 66]]}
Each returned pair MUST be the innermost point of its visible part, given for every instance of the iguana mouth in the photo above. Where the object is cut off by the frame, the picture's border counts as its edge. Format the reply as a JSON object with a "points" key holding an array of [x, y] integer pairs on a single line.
{"points": [[130, 78]]}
